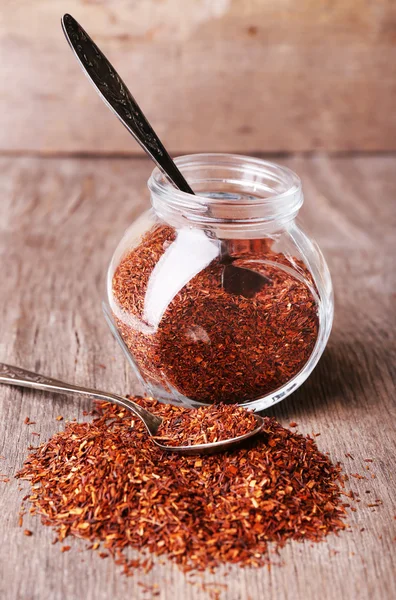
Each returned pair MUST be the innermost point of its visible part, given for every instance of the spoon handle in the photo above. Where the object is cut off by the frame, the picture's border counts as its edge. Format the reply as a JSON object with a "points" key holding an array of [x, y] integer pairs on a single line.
{"points": [[119, 99], [17, 376]]}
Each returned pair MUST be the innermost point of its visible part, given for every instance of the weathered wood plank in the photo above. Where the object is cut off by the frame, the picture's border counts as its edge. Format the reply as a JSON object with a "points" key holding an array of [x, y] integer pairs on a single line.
{"points": [[60, 220], [246, 75]]}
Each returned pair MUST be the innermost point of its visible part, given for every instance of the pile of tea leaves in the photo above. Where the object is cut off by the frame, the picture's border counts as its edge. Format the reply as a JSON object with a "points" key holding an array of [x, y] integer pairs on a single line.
{"points": [[106, 482]]}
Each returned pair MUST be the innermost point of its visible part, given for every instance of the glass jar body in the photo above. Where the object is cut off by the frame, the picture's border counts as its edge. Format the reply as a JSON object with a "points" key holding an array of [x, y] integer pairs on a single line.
{"points": [[221, 297]]}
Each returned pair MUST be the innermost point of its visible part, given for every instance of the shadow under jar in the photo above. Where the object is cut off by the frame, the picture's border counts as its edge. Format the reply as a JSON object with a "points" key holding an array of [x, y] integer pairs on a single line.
{"points": [[174, 286]]}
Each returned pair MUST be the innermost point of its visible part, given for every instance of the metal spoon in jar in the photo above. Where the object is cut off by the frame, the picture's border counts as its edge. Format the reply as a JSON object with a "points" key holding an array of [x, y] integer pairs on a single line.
{"points": [[16, 376], [113, 91]]}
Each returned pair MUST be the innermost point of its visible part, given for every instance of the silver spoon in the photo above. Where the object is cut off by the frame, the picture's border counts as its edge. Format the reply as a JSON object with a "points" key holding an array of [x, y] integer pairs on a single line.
{"points": [[21, 377], [115, 94]]}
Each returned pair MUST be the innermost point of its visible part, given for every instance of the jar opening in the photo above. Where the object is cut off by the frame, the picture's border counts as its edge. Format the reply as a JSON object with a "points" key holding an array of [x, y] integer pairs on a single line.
{"points": [[231, 190]]}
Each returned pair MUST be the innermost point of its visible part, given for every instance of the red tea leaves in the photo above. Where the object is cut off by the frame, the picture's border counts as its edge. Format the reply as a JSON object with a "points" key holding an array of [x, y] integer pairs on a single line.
{"points": [[211, 345], [186, 427], [106, 482], [152, 589]]}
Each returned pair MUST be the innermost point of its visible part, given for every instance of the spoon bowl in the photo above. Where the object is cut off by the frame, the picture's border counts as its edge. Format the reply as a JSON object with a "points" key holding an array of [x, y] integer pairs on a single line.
{"points": [[16, 376]]}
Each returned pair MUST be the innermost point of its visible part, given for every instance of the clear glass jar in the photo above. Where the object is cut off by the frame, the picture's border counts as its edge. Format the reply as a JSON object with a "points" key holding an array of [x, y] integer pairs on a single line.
{"points": [[221, 297]]}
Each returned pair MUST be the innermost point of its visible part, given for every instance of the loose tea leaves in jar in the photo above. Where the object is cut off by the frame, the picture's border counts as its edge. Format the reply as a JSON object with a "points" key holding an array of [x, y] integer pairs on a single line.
{"points": [[220, 296], [207, 424], [208, 344]]}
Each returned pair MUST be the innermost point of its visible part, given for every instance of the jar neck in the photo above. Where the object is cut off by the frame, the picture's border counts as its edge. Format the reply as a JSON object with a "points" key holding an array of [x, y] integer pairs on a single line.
{"points": [[236, 196]]}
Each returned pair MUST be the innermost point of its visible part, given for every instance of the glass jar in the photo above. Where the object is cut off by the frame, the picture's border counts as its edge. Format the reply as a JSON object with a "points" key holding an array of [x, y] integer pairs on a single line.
{"points": [[221, 297]]}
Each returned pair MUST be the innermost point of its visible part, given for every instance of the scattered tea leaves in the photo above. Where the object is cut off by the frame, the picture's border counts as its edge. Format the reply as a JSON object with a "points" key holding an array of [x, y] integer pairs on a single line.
{"points": [[106, 482]]}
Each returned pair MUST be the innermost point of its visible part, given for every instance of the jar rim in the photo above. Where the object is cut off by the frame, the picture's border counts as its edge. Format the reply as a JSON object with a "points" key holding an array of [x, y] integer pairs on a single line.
{"points": [[272, 192]]}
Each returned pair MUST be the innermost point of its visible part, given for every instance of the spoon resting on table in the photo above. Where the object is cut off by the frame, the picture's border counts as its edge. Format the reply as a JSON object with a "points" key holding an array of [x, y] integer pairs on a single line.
{"points": [[20, 377], [113, 91]]}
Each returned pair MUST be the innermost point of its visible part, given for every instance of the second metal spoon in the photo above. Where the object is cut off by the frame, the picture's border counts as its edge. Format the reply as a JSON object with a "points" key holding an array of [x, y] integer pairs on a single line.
{"points": [[17, 376], [113, 91]]}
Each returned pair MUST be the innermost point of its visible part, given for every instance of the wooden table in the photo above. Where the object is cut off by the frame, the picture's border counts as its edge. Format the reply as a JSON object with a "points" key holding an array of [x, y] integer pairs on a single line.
{"points": [[60, 221]]}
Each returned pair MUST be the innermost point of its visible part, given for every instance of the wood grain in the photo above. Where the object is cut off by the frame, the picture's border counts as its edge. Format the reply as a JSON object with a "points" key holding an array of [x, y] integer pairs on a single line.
{"points": [[60, 221], [220, 75]]}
